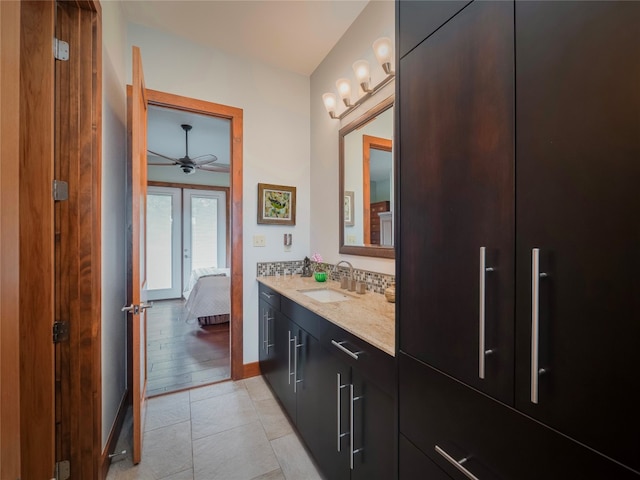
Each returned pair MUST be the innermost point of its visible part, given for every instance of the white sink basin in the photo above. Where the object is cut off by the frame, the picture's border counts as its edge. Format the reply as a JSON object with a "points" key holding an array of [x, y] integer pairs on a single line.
{"points": [[326, 295]]}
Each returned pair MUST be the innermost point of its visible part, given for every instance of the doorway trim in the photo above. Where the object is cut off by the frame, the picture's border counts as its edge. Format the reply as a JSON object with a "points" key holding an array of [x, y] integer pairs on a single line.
{"points": [[235, 115]]}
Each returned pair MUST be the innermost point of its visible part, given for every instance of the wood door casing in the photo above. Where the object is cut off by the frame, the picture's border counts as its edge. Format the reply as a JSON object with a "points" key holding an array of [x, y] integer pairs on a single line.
{"points": [[235, 115], [456, 173], [578, 171], [10, 99]]}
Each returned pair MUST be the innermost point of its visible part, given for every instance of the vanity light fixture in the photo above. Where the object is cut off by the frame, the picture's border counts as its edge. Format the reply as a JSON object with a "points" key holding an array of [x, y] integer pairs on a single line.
{"points": [[383, 50]]}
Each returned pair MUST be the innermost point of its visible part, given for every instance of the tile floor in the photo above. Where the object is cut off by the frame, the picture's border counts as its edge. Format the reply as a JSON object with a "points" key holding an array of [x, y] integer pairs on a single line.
{"points": [[226, 431]]}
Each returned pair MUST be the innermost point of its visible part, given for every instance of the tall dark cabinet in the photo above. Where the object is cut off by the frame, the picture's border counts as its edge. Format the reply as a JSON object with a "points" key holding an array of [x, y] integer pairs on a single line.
{"points": [[519, 239]]}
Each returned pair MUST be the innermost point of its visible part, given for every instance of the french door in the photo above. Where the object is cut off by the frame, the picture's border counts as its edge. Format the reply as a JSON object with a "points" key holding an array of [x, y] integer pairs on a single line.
{"points": [[164, 237], [186, 229]]}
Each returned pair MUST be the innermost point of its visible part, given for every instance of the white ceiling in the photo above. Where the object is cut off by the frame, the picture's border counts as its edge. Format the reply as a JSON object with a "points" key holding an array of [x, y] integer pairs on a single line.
{"points": [[294, 35]]}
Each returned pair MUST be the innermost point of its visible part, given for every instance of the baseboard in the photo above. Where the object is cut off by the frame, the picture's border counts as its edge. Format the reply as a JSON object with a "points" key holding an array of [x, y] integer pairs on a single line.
{"points": [[251, 370], [116, 428]]}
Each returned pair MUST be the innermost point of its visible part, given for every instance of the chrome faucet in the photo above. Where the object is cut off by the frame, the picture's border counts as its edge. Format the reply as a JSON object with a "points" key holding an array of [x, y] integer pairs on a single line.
{"points": [[345, 282]]}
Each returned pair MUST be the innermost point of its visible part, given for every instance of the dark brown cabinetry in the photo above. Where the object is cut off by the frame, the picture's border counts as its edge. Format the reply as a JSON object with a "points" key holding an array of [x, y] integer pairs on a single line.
{"points": [[338, 390], [518, 250]]}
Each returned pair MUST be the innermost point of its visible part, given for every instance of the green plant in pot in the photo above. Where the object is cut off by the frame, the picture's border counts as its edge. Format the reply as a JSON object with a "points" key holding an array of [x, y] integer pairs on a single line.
{"points": [[321, 270]]}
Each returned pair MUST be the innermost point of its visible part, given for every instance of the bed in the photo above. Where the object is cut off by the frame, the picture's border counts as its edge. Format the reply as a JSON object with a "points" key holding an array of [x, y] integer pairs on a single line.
{"points": [[208, 296]]}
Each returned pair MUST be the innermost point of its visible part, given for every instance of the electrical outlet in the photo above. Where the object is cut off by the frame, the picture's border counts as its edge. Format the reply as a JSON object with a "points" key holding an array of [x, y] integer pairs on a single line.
{"points": [[351, 239], [259, 241]]}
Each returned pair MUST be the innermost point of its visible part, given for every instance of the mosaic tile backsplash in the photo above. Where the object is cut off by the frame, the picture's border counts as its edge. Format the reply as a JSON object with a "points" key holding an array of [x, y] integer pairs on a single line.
{"points": [[376, 282]]}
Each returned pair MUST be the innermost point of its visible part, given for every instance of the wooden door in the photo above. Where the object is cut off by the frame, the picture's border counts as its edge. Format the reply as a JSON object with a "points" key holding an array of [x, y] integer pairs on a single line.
{"points": [[138, 250], [578, 172], [457, 176]]}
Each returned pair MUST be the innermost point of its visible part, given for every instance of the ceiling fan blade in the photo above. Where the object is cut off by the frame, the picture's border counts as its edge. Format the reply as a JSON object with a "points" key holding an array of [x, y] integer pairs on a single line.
{"points": [[215, 168], [163, 164], [161, 155], [204, 159]]}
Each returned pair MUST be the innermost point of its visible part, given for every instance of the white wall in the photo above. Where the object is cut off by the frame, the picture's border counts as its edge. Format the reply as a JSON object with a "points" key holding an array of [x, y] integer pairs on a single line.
{"points": [[276, 138], [376, 20], [114, 151]]}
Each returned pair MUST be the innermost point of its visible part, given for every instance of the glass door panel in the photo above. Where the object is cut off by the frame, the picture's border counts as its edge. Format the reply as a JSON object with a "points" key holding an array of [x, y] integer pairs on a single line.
{"points": [[163, 243]]}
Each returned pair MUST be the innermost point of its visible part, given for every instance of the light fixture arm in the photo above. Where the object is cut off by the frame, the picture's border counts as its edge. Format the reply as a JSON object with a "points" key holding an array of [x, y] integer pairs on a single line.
{"points": [[370, 93]]}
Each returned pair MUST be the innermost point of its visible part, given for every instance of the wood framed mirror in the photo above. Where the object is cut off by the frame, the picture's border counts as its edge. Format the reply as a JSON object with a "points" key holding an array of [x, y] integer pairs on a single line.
{"points": [[367, 183]]}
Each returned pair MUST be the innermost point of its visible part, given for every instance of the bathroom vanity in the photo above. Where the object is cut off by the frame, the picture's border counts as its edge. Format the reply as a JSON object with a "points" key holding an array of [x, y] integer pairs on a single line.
{"points": [[328, 355]]}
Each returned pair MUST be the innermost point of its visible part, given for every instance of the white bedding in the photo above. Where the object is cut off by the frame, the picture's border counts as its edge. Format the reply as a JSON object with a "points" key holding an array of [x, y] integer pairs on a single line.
{"points": [[208, 293]]}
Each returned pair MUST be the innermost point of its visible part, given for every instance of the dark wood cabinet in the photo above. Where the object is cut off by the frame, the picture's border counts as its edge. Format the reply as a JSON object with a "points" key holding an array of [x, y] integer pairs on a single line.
{"points": [[519, 132], [415, 464], [342, 404], [499, 442], [268, 305], [420, 18], [456, 177], [578, 164]]}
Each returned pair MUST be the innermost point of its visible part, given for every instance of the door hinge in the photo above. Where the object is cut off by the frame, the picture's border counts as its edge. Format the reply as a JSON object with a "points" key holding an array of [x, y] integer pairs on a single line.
{"points": [[60, 49], [60, 332], [63, 470], [60, 190]]}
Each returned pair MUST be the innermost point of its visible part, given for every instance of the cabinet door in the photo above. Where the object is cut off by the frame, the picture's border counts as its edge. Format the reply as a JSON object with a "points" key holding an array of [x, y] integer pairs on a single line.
{"points": [[323, 408], [415, 464], [419, 19], [266, 346], [373, 431], [457, 176], [283, 363], [578, 202]]}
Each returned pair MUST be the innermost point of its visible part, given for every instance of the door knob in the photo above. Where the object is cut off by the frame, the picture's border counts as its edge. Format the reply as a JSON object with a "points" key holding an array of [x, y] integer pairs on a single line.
{"points": [[133, 309], [144, 306]]}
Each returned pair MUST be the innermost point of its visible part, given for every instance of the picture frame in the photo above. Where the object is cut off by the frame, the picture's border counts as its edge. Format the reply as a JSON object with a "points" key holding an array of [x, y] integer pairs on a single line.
{"points": [[276, 204], [349, 220]]}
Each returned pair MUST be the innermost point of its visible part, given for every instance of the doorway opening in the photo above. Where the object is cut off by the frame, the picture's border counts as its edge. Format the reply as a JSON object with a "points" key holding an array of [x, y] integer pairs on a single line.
{"points": [[227, 252]]}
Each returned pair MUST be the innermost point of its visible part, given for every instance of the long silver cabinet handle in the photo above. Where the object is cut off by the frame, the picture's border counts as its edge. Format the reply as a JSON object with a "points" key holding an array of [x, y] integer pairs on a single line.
{"points": [[346, 350], [269, 344], [482, 351], [535, 323], [351, 426], [339, 435], [264, 330], [295, 363], [266, 294], [457, 463], [290, 340]]}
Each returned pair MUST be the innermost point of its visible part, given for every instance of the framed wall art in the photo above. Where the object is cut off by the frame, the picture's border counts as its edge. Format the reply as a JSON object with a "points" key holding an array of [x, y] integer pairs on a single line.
{"points": [[276, 204], [348, 209]]}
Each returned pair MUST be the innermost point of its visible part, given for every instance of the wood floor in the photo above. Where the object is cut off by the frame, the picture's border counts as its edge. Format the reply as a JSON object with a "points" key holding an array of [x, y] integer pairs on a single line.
{"points": [[182, 354]]}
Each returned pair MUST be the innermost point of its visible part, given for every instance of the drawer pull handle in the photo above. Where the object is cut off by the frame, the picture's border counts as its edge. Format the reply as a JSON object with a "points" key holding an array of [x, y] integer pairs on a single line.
{"points": [[457, 463], [346, 350], [267, 295]]}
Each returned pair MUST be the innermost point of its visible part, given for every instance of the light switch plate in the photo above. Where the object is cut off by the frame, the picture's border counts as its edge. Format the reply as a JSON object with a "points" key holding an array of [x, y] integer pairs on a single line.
{"points": [[259, 241]]}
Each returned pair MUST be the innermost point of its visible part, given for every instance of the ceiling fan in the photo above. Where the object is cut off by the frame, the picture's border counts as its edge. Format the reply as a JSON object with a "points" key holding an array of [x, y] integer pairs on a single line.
{"points": [[189, 165]]}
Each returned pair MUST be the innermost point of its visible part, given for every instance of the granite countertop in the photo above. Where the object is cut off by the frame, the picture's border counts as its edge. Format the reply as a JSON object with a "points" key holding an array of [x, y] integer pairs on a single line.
{"points": [[368, 316]]}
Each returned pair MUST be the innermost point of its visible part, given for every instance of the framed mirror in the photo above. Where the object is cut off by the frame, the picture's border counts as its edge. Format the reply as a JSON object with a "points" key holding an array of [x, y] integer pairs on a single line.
{"points": [[367, 183]]}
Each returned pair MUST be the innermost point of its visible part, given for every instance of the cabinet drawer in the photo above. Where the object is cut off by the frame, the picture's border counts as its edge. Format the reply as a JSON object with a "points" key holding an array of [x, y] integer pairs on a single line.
{"points": [[436, 410], [375, 365], [415, 464], [270, 296]]}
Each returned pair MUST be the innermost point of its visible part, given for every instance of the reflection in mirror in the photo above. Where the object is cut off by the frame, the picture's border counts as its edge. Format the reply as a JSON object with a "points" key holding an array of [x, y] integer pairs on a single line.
{"points": [[366, 183]]}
